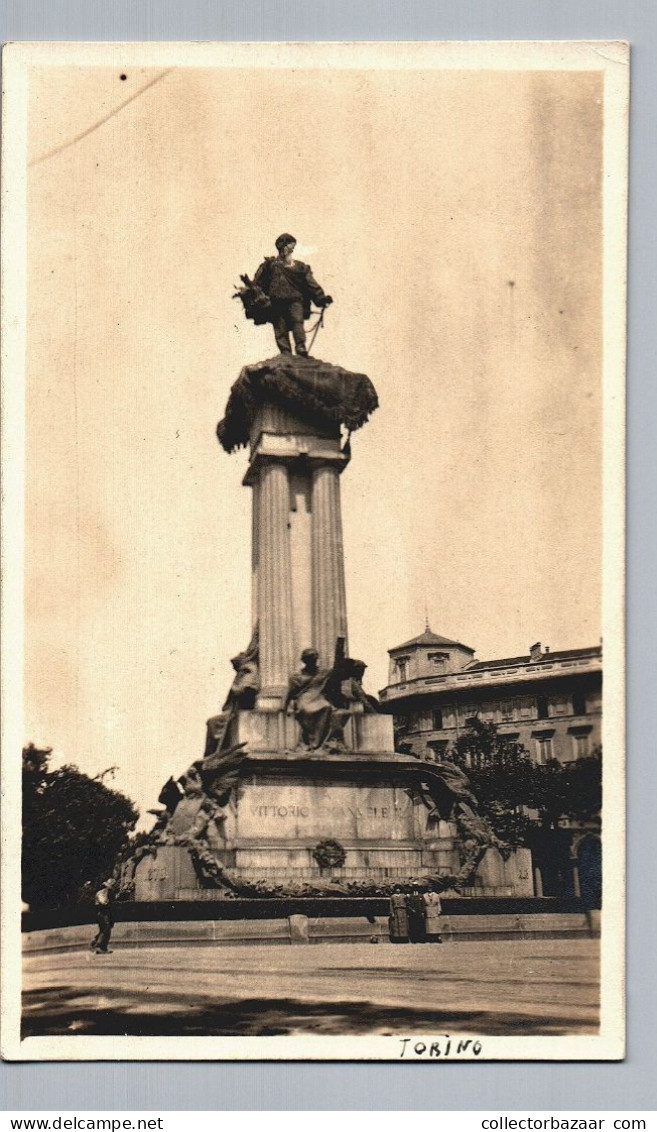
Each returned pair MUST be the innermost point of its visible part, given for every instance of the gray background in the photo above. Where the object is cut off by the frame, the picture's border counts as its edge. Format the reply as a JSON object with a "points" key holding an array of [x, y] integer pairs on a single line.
{"points": [[441, 1086]]}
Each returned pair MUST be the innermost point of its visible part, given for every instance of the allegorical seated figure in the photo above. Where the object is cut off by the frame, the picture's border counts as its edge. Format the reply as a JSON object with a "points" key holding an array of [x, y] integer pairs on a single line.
{"points": [[242, 694], [352, 687], [320, 705], [281, 292]]}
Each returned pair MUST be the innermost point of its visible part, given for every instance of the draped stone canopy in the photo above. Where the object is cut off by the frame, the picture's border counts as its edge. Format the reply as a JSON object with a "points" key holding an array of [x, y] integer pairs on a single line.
{"points": [[318, 391]]}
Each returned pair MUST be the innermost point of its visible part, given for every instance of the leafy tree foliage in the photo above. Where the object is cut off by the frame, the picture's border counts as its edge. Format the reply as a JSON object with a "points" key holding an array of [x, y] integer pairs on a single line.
{"points": [[519, 796], [569, 790], [502, 776], [74, 829]]}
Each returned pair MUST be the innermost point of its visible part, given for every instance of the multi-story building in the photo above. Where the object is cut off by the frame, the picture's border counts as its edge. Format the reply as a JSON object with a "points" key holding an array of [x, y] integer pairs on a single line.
{"points": [[550, 702]]}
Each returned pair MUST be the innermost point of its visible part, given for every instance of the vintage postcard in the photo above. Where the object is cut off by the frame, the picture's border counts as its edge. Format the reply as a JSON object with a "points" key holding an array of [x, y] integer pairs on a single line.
{"points": [[313, 487]]}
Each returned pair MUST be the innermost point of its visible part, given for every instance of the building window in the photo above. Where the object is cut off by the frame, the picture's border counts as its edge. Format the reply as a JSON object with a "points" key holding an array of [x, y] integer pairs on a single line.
{"points": [[438, 659], [402, 669], [437, 719], [579, 703], [542, 707], [526, 708], [544, 750], [580, 736], [437, 749], [506, 711], [580, 746]]}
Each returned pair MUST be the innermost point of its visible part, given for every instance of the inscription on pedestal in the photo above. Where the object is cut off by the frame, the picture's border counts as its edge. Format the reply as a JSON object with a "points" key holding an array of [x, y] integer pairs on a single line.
{"points": [[307, 811]]}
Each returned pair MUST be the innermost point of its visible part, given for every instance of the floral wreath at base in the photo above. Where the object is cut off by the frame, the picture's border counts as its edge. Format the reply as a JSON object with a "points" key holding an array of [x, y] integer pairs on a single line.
{"points": [[329, 854]]}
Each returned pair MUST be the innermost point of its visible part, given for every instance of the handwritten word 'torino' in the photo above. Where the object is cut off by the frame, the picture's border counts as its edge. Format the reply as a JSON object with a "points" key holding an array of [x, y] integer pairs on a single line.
{"points": [[443, 1046]]}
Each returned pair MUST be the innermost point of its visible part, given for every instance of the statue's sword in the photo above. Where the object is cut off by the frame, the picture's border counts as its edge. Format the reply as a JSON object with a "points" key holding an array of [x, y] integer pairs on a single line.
{"points": [[317, 327]]}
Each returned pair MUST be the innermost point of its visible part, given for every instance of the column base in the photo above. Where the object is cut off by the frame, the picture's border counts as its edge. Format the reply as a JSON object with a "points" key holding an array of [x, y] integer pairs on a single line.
{"points": [[271, 700]]}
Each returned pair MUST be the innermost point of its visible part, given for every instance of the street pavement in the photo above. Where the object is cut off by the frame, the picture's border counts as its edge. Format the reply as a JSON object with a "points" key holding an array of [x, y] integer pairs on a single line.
{"points": [[494, 987]]}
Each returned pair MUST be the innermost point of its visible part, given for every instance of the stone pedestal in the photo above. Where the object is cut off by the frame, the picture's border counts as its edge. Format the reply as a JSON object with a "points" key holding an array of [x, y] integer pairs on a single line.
{"points": [[288, 803]]}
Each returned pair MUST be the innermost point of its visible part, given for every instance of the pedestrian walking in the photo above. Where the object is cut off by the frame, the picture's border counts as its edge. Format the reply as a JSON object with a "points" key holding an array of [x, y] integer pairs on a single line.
{"points": [[103, 901]]}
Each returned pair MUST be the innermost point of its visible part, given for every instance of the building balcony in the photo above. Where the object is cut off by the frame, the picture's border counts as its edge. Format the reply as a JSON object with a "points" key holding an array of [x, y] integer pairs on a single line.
{"points": [[514, 674]]}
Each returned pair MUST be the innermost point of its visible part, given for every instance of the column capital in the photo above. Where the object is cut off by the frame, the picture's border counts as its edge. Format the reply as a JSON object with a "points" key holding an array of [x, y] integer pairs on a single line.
{"points": [[297, 455]]}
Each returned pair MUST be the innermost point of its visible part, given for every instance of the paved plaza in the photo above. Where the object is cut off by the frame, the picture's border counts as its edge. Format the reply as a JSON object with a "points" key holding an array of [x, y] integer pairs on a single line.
{"points": [[548, 986]]}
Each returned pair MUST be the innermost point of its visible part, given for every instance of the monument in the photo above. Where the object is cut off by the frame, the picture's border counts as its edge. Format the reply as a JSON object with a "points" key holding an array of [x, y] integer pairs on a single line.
{"points": [[299, 791]]}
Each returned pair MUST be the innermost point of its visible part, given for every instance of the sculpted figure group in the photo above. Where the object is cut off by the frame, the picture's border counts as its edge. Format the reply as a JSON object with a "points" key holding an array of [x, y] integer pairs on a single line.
{"points": [[323, 698], [196, 805]]}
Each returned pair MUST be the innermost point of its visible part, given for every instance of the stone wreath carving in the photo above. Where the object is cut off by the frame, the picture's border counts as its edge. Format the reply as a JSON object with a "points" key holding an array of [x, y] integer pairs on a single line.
{"points": [[329, 855]]}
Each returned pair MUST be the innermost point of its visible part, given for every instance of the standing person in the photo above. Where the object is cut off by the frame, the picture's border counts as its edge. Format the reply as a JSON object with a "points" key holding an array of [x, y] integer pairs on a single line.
{"points": [[416, 912], [103, 901], [290, 287], [398, 919], [433, 911]]}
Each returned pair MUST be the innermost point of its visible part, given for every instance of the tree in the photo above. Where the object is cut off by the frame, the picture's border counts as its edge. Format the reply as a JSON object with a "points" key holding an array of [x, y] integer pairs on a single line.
{"points": [[519, 796], [74, 829], [502, 776]]}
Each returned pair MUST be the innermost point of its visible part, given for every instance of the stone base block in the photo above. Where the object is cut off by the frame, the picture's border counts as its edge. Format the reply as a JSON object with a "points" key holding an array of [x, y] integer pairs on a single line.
{"points": [[298, 929], [166, 875], [264, 731], [284, 811], [374, 733], [270, 731], [497, 877]]}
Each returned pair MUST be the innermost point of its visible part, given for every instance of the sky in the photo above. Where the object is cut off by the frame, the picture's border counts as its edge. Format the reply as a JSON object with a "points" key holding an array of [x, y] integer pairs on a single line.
{"points": [[455, 218]]}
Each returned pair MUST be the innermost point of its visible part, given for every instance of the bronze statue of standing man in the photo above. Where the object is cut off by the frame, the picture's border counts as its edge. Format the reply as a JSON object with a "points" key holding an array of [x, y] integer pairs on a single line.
{"points": [[281, 293]]}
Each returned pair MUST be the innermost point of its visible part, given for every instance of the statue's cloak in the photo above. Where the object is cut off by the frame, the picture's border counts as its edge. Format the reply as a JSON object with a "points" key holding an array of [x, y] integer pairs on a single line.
{"points": [[307, 387]]}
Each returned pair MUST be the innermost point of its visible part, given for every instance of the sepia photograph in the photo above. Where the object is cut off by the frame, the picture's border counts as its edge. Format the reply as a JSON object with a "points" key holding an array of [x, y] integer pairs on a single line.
{"points": [[313, 463]]}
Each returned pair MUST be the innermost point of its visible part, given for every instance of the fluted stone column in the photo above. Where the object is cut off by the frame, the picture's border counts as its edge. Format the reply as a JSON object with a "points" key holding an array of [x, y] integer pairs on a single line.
{"points": [[274, 585], [329, 605], [255, 550]]}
